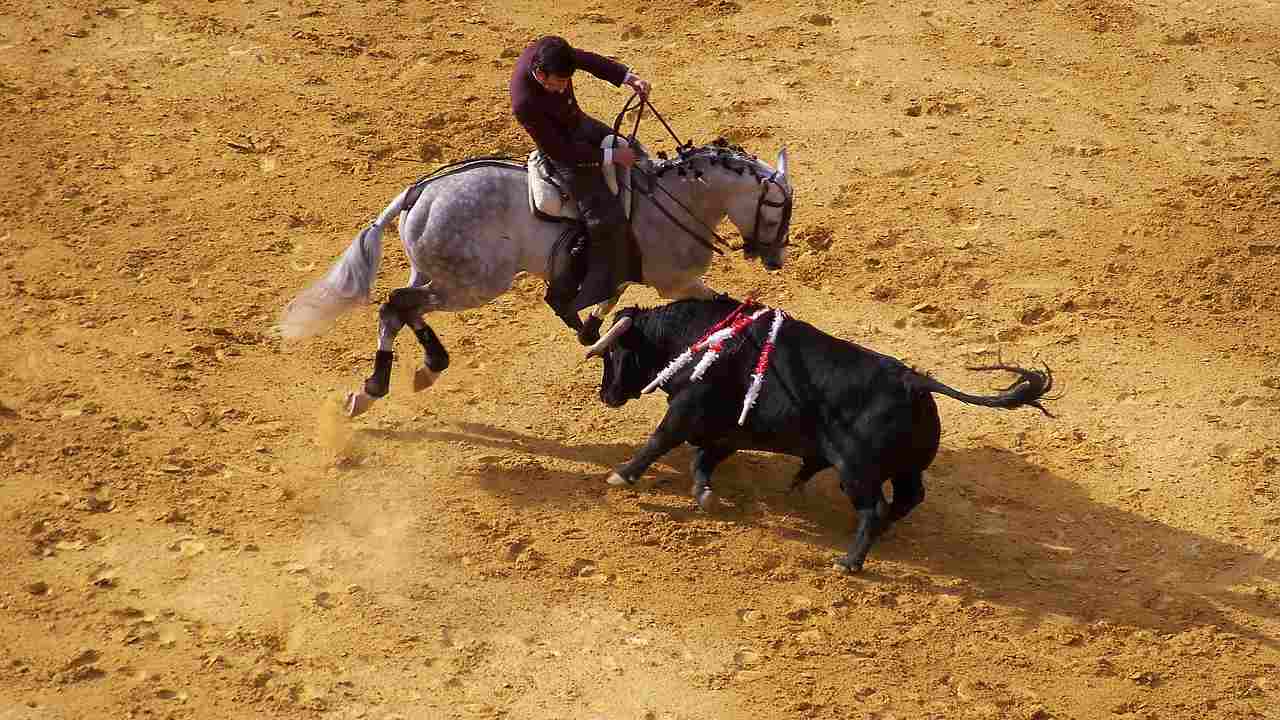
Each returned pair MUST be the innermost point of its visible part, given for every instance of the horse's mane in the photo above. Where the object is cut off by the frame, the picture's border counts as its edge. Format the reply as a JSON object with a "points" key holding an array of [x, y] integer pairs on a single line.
{"points": [[717, 152]]}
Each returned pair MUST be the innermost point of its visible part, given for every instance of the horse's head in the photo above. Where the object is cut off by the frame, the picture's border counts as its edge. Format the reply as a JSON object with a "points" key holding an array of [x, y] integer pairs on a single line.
{"points": [[761, 211]]}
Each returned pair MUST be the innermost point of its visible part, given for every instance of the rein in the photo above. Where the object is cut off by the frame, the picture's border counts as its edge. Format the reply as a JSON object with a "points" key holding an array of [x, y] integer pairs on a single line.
{"points": [[702, 240], [641, 102], [683, 150], [644, 102]]}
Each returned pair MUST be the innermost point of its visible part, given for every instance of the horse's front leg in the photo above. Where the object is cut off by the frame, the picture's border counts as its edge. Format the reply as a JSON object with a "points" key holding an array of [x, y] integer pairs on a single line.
{"points": [[590, 332]]}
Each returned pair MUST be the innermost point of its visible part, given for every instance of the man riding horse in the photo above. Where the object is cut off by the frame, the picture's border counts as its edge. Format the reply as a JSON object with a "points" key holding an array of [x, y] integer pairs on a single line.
{"points": [[468, 229], [543, 101]]}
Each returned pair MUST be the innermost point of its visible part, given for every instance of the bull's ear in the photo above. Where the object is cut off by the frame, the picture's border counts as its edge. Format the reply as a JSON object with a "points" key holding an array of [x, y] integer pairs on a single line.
{"points": [[782, 161]]}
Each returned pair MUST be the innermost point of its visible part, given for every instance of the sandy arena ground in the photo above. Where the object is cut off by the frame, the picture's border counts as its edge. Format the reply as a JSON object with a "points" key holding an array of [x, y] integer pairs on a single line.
{"points": [[191, 530]]}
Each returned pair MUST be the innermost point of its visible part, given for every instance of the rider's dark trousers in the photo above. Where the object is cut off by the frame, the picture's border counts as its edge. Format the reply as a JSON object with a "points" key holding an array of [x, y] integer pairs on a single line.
{"points": [[602, 212]]}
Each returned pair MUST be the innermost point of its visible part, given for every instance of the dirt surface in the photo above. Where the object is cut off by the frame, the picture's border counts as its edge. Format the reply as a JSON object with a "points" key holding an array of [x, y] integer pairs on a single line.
{"points": [[191, 530]]}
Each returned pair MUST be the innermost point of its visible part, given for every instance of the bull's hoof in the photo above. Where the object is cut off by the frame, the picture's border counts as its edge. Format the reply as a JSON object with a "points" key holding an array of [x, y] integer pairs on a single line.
{"points": [[358, 403], [423, 378], [847, 565], [616, 479], [707, 500]]}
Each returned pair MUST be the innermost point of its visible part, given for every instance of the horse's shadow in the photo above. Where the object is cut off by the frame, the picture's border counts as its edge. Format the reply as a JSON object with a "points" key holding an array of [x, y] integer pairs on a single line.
{"points": [[1017, 533]]}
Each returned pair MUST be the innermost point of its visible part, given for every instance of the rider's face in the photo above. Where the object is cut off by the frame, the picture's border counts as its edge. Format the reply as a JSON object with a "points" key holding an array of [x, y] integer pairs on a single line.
{"points": [[553, 83]]}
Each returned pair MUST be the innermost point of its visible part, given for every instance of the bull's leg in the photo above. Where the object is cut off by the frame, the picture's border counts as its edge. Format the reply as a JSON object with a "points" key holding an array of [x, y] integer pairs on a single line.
{"points": [[590, 331], [674, 429], [908, 492], [705, 461], [863, 488], [812, 466]]}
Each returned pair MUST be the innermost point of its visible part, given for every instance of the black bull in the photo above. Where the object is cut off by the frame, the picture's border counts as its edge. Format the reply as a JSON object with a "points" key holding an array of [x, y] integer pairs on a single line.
{"points": [[828, 401]]}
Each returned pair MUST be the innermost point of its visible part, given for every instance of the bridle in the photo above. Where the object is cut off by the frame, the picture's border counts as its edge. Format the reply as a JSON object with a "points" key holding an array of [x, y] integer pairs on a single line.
{"points": [[752, 244]]}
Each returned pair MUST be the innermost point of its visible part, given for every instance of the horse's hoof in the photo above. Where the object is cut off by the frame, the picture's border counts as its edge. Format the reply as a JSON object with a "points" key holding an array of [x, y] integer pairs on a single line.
{"points": [[616, 479], [423, 378], [707, 500], [358, 403]]}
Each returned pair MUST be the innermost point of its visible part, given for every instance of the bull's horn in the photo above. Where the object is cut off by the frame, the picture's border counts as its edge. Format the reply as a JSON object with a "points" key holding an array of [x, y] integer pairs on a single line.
{"points": [[609, 338]]}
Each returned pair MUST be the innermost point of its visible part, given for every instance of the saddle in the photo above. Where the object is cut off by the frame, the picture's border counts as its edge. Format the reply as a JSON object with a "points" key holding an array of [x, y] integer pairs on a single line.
{"points": [[551, 199]]}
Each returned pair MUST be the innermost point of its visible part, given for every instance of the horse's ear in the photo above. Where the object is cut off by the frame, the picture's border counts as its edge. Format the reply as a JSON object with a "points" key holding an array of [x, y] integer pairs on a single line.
{"points": [[782, 161]]}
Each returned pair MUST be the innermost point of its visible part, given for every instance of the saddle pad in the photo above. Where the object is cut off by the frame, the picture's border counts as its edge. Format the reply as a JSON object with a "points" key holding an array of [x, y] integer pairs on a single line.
{"points": [[548, 194]]}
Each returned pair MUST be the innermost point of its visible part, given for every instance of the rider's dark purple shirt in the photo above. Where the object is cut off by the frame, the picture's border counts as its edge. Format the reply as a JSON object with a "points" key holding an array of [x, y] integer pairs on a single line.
{"points": [[551, 118]]}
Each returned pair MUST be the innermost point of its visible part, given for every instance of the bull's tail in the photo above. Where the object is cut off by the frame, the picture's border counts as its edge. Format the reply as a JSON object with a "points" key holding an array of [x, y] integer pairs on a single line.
{"points": [[347, 284], [1027, 391]]}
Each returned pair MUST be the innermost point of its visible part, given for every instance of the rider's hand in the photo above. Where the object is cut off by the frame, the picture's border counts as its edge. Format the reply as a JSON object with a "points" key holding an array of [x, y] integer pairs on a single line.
{"points": [[636, 83], [624, 156]]}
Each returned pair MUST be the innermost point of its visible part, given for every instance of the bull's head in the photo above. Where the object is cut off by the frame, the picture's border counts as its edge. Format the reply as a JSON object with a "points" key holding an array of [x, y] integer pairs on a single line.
{"points": [[624, 378]]}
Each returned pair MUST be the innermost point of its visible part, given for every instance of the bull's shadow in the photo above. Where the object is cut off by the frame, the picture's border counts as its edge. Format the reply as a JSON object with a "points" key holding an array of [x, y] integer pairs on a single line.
{"points": [[533, 484], [1016, 533]]}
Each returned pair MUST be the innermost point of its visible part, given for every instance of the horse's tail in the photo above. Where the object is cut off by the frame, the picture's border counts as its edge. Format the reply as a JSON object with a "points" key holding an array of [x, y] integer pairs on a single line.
{"points": [[346, 285]]}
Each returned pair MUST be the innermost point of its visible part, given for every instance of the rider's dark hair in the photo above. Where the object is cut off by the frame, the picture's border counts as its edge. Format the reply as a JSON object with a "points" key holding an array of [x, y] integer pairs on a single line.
{"points": [[553, 55]]}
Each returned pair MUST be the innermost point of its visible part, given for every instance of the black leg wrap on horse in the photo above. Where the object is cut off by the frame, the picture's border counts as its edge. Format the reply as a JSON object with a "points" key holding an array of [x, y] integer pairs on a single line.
{"points": [[379, 383], [437, 358]]}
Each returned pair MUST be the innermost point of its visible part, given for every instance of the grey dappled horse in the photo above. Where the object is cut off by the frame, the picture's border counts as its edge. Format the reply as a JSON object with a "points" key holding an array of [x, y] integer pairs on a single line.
{"points": [[469, 230]]}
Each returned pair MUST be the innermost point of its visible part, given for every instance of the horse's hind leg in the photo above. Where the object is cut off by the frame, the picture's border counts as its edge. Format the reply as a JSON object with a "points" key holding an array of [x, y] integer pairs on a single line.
{"points": [[435, 357], [411, 303], [378, 384], [404, 307]]}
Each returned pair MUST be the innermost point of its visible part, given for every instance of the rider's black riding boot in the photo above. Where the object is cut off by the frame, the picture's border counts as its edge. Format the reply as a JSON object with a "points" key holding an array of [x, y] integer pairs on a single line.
{"points": [[563, 286], [607, 226]]}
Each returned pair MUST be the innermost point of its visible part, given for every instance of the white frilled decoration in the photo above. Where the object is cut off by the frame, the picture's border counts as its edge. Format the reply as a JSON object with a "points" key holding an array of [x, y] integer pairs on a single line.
{"points": [[712, 345], [762, 366]]}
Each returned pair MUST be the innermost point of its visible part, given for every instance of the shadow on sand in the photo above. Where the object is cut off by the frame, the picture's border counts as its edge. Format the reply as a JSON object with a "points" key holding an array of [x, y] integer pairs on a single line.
{"points": [[1020, 535]]}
